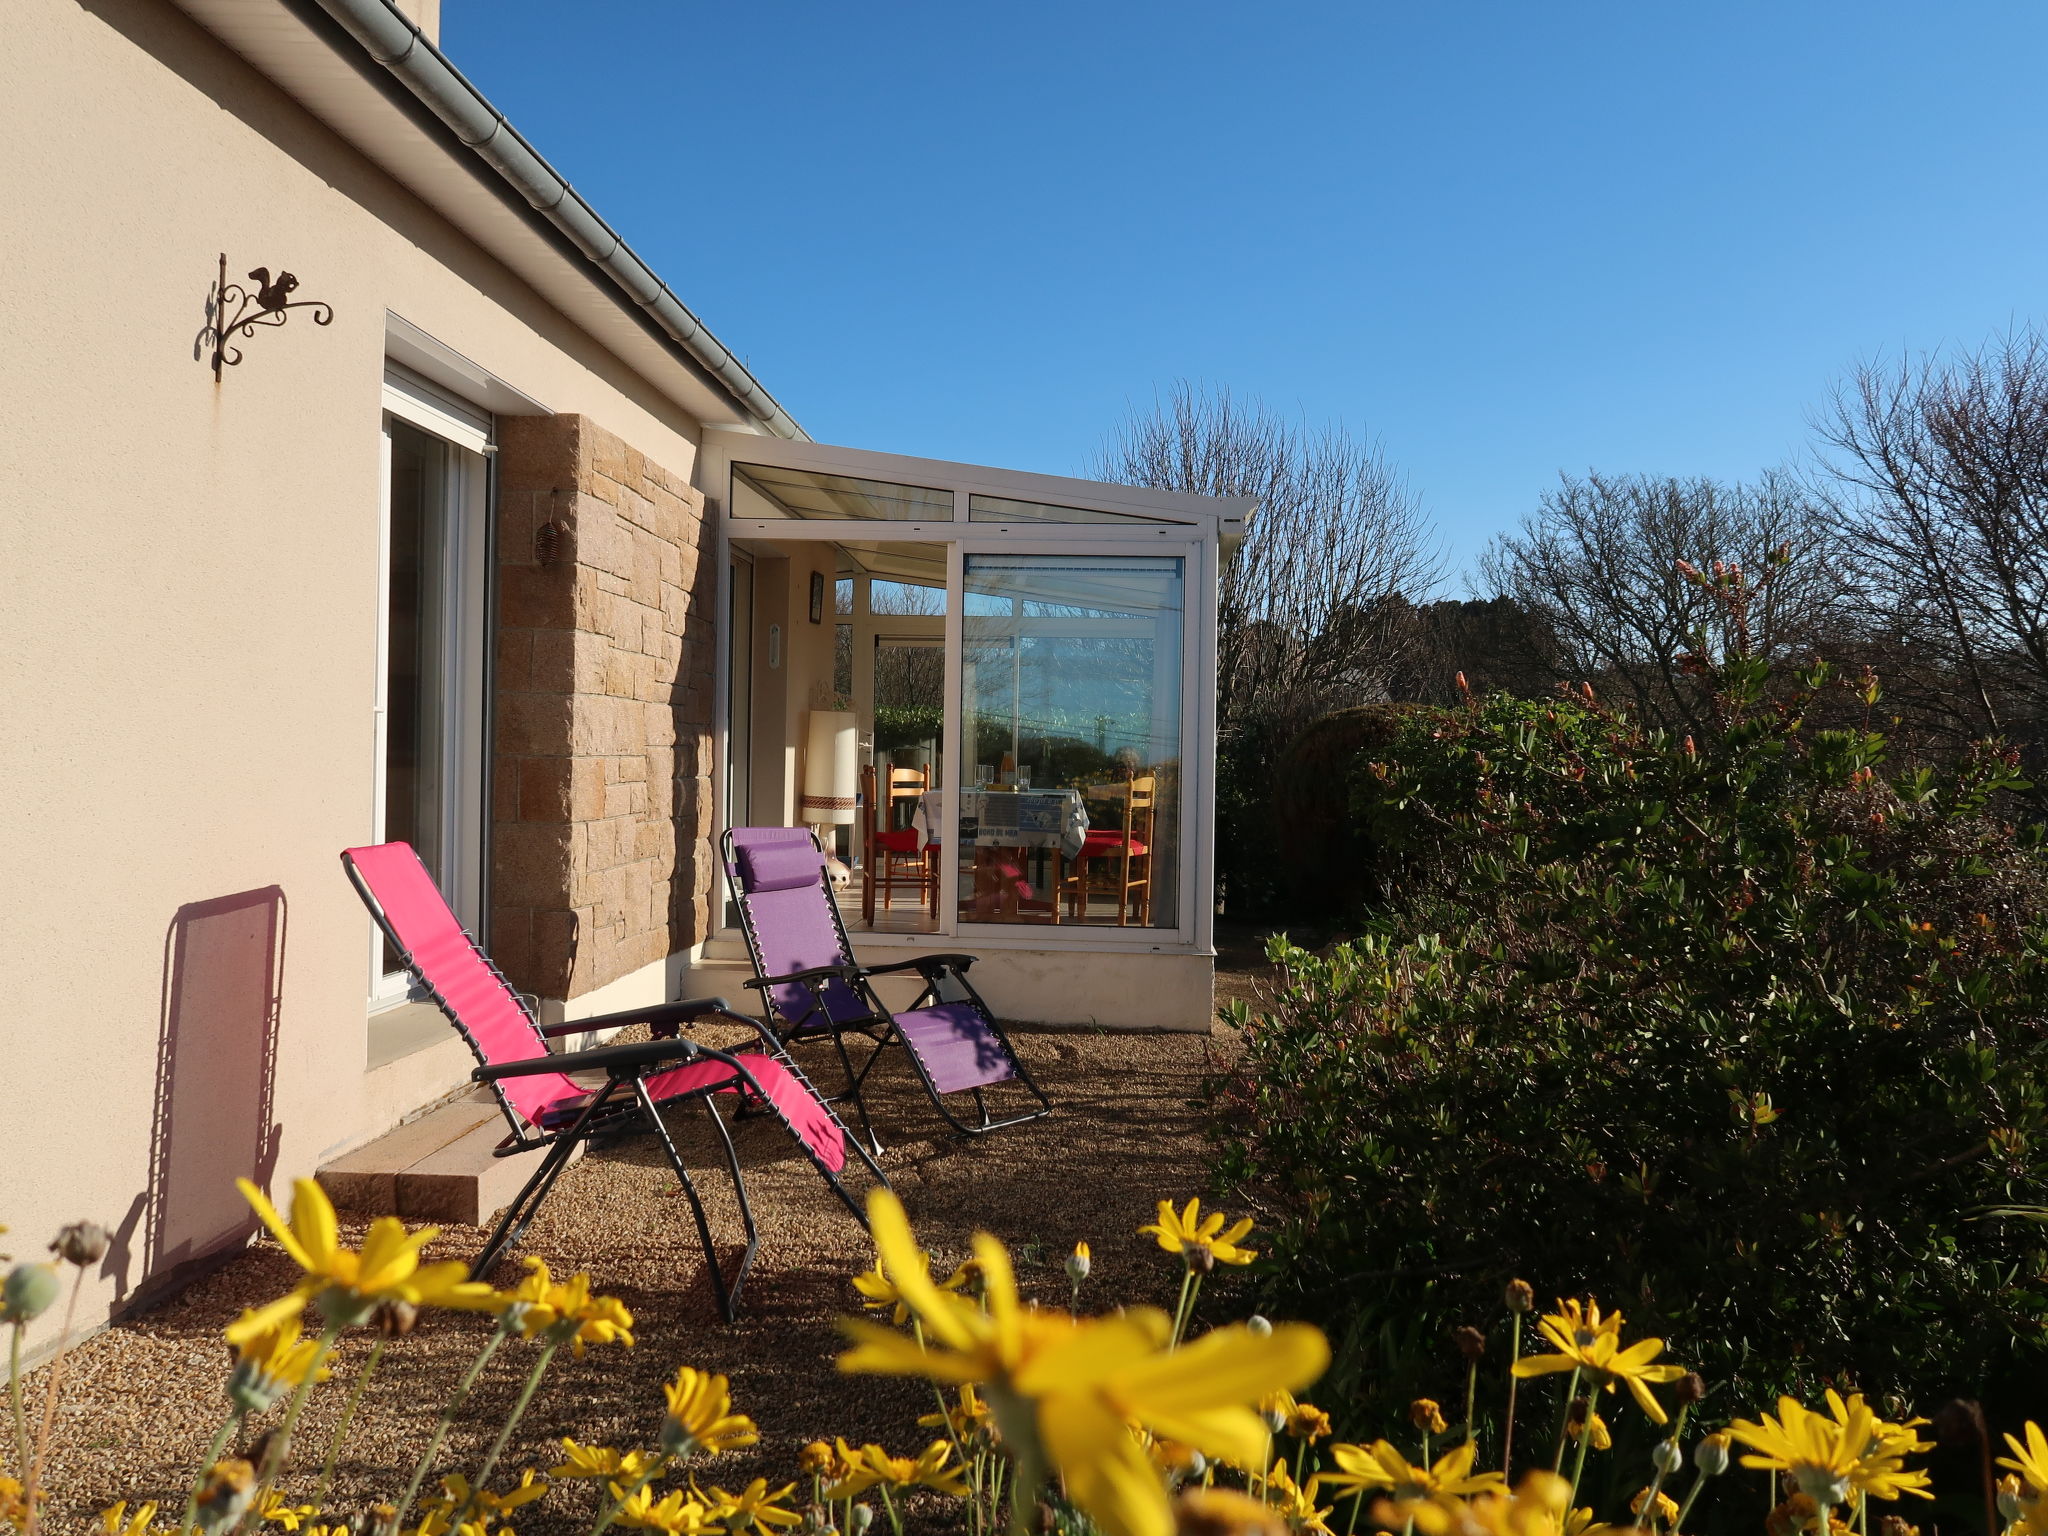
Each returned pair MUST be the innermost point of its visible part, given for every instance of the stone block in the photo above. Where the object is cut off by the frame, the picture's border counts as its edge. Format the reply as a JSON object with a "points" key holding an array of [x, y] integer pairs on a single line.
{"points": [[465, 1181], [618, 802], [512, 939], [604, 542], [586, 788], [551, 665], [504, 787], [693, 809], [515, 659], [366, 1179], [529, 863], [658, 725], [544, 789], [653, 840], [555, 936], [535, 724], [537, 596], [537, 453], [605, 454]]}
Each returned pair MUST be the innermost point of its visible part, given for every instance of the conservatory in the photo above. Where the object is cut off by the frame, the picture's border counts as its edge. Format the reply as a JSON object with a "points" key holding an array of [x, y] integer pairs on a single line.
{"points": [[993, 695]]}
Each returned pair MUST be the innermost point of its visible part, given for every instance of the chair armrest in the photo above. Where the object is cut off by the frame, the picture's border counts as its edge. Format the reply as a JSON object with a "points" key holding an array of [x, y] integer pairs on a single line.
{"points": [[924, 965], [620, 1060], [654, 1014], [846, 973]]}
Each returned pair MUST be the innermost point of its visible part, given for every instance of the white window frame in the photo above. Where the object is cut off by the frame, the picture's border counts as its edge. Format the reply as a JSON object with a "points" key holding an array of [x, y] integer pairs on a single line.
{"points": [[1193, 528], [467, 432]]}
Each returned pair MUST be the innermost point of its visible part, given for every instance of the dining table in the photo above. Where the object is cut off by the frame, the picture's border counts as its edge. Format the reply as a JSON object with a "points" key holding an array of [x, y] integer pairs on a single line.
{"points": [[999, 822]]}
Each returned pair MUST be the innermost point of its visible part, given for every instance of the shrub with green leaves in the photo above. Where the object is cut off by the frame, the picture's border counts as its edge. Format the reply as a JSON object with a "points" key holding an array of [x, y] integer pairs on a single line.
{"points": [[1747, 1036]]}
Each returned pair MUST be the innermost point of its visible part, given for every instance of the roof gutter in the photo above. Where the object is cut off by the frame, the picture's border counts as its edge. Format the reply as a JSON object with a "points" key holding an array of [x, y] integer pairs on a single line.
{"points": [[422, 69]]}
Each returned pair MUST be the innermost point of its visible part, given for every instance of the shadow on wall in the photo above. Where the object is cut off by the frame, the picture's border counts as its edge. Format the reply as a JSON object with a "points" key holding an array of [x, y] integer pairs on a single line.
{"points": [[216, 1070]]}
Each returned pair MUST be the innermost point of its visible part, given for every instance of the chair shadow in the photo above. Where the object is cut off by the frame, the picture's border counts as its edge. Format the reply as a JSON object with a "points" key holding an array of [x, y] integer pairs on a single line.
{"points": [[214, 1114]]}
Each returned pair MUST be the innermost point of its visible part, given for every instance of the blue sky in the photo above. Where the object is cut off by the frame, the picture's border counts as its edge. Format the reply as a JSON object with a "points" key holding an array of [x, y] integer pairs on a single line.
{"points": [[1503, 239]]}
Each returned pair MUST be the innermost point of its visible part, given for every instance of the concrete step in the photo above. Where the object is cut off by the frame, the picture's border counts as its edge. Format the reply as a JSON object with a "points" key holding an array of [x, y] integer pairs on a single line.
{"points": [[439, 1167]]}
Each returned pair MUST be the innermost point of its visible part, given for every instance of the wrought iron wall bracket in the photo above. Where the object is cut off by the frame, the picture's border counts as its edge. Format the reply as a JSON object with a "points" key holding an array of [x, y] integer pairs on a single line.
{"points": [[269, 302]]}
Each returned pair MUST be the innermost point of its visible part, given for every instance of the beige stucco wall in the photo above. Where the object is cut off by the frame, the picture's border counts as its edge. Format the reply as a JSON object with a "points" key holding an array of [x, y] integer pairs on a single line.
{"points": [[188, 624]]}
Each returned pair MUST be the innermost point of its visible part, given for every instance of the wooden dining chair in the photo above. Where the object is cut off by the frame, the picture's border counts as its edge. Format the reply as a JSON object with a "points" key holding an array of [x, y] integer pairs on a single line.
{"points": [[895, 855], [1122, 846]]}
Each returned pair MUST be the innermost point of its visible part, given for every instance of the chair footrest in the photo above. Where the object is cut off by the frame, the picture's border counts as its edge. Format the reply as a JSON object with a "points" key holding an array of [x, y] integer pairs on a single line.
{"points": [[958, 1049]]}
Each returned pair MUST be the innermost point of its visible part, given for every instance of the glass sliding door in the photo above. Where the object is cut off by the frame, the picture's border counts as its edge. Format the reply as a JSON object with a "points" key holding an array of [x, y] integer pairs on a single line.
{"points": [[430, 685], [1071, 689]]}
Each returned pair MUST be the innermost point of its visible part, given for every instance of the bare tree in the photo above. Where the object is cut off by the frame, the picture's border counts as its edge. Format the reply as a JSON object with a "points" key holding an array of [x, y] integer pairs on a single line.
{"points": [[1598, 566], [1311, 614], [1951, 535]]}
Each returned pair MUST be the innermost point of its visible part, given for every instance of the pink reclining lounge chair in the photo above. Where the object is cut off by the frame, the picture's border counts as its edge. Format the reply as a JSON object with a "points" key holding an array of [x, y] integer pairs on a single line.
{"points": [[547, 1108]]}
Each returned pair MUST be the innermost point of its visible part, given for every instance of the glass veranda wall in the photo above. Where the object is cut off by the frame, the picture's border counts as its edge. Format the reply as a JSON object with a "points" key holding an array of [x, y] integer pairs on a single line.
{"points": [[1028, 664]]}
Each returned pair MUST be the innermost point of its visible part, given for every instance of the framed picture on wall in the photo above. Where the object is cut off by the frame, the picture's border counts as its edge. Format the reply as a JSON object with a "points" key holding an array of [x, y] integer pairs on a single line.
{"points": [[817, 597]]}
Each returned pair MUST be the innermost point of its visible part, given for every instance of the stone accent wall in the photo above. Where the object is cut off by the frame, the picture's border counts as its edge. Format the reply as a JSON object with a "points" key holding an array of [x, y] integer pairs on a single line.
{"points": [[601, 815]]}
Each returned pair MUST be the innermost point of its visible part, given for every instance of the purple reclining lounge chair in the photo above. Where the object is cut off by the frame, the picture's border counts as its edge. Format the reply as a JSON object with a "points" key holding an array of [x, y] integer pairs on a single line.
{"points": [[811, 987], [547, 1108]]}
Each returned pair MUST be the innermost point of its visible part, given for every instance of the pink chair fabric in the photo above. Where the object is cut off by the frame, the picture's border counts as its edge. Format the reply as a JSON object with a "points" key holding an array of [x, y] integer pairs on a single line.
{"points": [[502, 1030]]}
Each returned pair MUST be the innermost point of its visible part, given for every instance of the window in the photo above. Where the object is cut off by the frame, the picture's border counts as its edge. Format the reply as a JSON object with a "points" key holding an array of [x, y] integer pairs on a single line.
{"points": [[1071, 701], [762, 490], [430, 685]]}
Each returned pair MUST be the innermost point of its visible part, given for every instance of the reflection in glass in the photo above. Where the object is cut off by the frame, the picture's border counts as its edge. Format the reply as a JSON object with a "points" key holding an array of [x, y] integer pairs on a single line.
{"points": [[416, 662], [1071, 693], [763, 490], [414, 749]]}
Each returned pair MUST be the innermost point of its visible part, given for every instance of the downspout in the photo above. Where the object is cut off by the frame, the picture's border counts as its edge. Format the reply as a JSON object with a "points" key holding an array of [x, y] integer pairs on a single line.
{"points": [[398, 45]]}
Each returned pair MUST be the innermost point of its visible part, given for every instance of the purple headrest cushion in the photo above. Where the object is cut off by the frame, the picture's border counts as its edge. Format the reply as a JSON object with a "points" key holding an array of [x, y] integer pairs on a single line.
{"points": [[779, 866]]}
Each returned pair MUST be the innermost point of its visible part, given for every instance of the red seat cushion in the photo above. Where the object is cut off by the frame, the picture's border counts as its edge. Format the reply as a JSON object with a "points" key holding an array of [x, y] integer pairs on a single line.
{"points": [[902, 840], [1101, 844]]}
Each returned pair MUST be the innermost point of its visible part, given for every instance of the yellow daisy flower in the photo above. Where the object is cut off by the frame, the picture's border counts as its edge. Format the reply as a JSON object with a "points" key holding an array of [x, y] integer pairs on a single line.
{"points": [[871, 1465], [1189, 1232], [1202, 1511], [269, 1362], [1587, 1343], [116, 1521], [279, 1510], [1070, 1388], [1305, 1421], [1408, 1487], [1826, 1457], [679, 1513], [1296, 1505], [348, 1283], [597, 1464], [878, 1295], [700, 1416], [753, 1508], [566, 1312], [966, 1420], [2030, 1461], [1537, 1507]]}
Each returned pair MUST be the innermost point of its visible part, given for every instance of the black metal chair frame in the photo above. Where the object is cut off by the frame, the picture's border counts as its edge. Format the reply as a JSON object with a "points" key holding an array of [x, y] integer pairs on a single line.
{"points": [[606, 1113], [879, 1025]]}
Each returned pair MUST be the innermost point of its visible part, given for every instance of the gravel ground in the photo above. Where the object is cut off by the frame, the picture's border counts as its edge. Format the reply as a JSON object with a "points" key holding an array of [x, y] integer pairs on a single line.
{"points": [[143, 1398]]}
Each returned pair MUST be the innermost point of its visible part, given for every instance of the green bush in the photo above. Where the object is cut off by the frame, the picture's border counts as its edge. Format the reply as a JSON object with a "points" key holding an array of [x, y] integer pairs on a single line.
{"points": [[1330, 864], [1746, 1036]]}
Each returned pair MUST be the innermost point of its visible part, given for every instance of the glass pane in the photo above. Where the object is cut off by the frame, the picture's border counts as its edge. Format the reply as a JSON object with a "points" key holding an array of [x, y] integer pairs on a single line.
{"points": [[762, 490], [1071, 690], [903, 626], [1000, 509], [416, 718]]}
